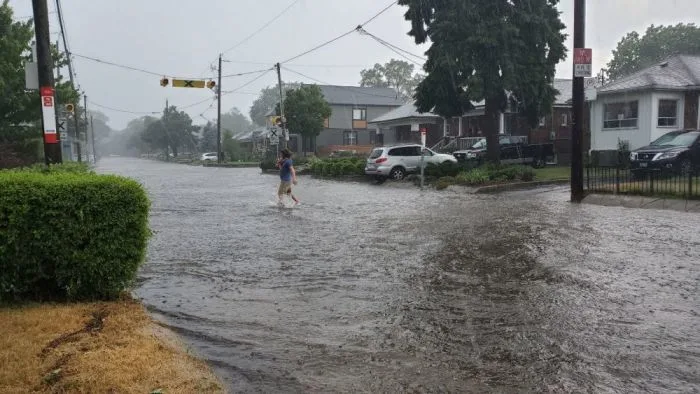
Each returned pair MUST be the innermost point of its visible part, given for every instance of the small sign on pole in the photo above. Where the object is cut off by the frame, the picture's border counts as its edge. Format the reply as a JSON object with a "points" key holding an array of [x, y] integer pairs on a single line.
{"points": [[423, 134], [583, 62], [48, 113]]}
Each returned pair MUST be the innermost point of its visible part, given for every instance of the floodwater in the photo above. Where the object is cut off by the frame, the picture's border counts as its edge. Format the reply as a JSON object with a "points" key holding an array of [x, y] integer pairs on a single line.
{"points": [[367, 288]]}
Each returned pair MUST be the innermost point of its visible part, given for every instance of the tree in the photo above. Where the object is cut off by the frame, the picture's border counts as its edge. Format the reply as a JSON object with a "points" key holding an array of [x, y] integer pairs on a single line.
{"points": [[268, 99], [397, 74], [19, 106], [172, 132], [635, 52], [500, 51], [207, 142], [231, 148], [306, 111], [235, 121]]}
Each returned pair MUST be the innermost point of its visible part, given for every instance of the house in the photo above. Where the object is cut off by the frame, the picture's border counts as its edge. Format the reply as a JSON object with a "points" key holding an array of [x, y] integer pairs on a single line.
{"points": [[643, 106], [403, 124]]}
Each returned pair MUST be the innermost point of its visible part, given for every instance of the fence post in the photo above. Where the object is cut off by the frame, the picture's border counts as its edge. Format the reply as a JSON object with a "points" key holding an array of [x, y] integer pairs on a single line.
{"points": [[617, 179], [690, 184], [651, 182], [588, 178]]}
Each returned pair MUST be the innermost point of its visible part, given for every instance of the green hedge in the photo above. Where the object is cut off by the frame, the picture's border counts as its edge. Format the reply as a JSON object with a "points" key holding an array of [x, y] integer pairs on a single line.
{"points": [[74, 236], [337, 167]]}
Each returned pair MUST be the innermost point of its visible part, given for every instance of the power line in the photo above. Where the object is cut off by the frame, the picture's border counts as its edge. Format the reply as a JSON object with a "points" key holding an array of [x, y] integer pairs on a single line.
{"points": [[271, 21], [225, 92], [352, 88], [245, 73], [384, 42], [117, 65], [123, 110], [375, 16]]}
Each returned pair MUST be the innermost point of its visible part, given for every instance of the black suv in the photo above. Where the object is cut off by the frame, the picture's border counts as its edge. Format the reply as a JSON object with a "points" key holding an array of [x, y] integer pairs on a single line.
{"points": [[677, 152]]}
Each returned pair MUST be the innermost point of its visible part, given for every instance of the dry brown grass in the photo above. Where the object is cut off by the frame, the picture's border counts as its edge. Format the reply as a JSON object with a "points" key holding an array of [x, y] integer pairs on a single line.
{"points": [[95, 348]]}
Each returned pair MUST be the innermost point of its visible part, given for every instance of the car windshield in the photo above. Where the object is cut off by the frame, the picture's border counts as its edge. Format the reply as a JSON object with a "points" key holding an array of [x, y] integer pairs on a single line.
{"points": [[676, 139], [480, 145], [376, 153]]}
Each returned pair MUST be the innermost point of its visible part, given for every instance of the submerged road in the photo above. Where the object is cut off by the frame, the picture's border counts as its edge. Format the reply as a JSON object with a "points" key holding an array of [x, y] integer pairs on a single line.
{"points": [[367, 288]]}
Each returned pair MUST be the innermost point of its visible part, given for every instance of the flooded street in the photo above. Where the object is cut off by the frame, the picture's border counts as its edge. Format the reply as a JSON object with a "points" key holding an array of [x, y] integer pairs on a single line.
{"points": [[368, 288]]}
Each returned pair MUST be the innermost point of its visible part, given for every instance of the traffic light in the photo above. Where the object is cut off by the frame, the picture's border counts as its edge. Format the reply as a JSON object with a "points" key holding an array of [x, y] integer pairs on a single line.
{"points": [[70, 108], [211, 84], [164, 82]]}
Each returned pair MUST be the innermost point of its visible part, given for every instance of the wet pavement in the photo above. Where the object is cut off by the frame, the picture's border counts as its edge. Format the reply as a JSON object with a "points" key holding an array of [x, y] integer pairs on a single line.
{"points": [[367, 288]]}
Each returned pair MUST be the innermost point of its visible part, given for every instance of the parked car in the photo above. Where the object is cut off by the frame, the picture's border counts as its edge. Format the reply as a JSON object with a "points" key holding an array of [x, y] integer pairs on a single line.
{"points": [[676, 152], [513, 151], [211, 156], [396, 161]]}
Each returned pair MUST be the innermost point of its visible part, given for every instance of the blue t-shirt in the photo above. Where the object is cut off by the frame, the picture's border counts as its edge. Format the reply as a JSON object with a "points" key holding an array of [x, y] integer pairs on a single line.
{"points": [[286, 170]]}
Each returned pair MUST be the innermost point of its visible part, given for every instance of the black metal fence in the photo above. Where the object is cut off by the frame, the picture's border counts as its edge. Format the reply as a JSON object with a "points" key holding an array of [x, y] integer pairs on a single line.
{"points": [[618, 180]]}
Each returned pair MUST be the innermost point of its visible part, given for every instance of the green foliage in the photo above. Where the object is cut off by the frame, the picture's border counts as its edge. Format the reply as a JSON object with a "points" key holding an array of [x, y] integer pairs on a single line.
{"points": [[444, 182], [337, 167], [503, 52], [268, 100], [64, 168], [268, 164], [635, 52], [68, 234], [447, 168], [306, 110], [397, 74], [171, 133], [475, 177]]}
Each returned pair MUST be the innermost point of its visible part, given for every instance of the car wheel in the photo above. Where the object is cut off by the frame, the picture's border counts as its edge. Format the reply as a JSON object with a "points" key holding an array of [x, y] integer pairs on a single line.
{"points": [[397, 173], [686, 167]]}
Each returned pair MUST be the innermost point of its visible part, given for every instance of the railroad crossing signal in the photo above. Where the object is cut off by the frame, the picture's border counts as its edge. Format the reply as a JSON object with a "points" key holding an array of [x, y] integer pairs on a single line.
{"points": [[211, 84], [188, 83], [164, 82], [70, 108]]}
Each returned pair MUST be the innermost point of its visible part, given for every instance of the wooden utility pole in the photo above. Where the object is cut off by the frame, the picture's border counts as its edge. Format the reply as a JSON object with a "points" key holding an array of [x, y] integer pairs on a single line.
{"points": [[92, 130], [284, 120], [578, 107], [52, 145], [219, 153]]}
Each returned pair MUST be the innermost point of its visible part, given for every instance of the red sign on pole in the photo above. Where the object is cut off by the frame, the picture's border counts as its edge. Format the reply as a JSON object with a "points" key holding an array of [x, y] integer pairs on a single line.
{"points": [[583, 62], [48, 113]]}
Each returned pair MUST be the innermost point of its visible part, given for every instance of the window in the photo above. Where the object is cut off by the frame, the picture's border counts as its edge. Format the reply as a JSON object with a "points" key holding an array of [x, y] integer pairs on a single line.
{"points": [[543, 121], [620, 115], [398, 152], [413, 151], [359, 114], [564, 119], [350, 138], [668, 113]]}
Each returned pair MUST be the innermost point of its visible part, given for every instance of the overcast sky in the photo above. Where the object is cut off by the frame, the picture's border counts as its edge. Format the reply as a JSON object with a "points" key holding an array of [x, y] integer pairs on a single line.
{"points": [[184, 37]]}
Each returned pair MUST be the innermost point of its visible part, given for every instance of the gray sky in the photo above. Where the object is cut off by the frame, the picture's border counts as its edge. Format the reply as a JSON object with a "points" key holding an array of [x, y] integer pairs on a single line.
{"points": [[183, 37]]}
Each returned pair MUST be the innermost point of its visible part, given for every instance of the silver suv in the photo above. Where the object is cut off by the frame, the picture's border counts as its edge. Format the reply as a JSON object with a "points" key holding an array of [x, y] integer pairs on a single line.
{"points": [[396, 161]]}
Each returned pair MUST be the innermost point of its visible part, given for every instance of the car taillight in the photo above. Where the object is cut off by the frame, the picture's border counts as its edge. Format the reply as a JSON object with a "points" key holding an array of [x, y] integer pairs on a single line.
{"points": [[380, 160]]}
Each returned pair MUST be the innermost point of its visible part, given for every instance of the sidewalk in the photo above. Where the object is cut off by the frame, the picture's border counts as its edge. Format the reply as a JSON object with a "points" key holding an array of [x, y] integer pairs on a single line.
{"points": [[612, 200]]}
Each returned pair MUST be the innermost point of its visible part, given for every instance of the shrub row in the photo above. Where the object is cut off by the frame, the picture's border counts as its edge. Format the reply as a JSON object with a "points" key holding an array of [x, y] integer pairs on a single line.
{"points": [[487, 174], [69, 234], [337, 167]]}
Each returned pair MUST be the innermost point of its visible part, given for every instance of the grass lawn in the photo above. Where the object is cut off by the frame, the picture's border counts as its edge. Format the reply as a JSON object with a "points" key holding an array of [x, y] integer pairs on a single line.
{"points": [[94, 348], [661, 188], [552, 173]]}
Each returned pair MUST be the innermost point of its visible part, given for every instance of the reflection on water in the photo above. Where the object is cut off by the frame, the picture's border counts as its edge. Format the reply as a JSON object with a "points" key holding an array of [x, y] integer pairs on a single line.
{"points": [[385, 289]]}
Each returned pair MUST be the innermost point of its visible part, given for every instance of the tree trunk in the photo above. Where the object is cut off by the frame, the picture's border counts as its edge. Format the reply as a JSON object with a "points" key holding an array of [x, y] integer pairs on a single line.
{"points": [[491, 129]]}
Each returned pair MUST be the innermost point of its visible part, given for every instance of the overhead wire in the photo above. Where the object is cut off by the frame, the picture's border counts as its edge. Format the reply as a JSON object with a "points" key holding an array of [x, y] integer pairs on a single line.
{"points": [[375, 16], [385, 42], [356, 90], [123, 110]]}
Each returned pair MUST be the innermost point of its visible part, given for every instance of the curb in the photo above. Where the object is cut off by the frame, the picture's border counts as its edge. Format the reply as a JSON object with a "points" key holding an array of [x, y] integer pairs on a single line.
{"points": [[518, 186], [643, 202]]}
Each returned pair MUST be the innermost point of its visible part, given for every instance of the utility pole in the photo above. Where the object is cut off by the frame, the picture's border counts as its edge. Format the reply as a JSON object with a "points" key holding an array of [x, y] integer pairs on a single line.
{"points": [[87, 154], [92, 130], [284, 120], [165, 128], [218, 116], [52, 146], [578, 107]]}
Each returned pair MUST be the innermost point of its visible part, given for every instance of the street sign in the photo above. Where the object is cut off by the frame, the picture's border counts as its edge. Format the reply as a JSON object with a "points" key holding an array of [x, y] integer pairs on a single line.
{"points": [[583, 62], [61, 125], [48, 113], [274, 139], [187, 83], [31, 75], [423, 132]]}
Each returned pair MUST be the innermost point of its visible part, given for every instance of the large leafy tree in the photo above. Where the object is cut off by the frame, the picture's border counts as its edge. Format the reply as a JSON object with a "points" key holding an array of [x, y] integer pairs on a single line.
{"points": [[171, 133], [207, 142], [306, 111], [19, 106], [397, 74], [235, 121], [268, 100], [499, 51], [635, 52]]}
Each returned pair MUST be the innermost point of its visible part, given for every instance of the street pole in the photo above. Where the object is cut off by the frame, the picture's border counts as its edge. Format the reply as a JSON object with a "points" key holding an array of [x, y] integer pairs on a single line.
{"points": [[52, 145], [284, 123], [165, 128], [87, 154], [92, 131], [578, 107], [218, 116]]}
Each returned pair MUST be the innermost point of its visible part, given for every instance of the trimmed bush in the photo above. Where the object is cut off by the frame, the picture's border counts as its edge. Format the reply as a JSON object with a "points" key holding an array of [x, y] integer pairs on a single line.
{"points": [[447, 168], [70, 236]]}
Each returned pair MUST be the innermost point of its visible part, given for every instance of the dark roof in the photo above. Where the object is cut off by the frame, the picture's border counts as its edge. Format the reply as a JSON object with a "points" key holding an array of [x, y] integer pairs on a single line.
{"points": [[679, 72], [356, 95], [405, 111]]}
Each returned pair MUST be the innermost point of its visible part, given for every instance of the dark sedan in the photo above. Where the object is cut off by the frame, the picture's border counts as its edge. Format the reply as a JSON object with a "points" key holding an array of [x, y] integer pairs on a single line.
{"points": [[677, 152]]}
